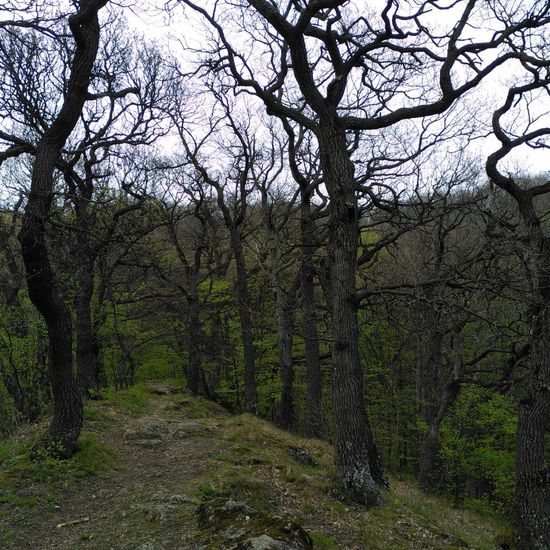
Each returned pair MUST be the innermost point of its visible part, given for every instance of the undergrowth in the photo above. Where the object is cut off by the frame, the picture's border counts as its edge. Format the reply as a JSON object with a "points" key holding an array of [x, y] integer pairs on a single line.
{"points": [[134, 400], [249, 461]]}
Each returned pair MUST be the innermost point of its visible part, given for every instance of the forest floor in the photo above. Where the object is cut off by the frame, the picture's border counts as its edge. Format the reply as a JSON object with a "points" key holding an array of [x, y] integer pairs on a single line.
{"points": [[149, 455]]}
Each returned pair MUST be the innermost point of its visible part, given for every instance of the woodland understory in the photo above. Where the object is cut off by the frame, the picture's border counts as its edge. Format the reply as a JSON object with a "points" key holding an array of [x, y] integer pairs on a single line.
{"points": [[325, 213]]}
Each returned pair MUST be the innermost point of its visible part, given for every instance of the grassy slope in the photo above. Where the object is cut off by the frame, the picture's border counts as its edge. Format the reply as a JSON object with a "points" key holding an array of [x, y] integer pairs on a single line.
{"points": [[242, 457]]}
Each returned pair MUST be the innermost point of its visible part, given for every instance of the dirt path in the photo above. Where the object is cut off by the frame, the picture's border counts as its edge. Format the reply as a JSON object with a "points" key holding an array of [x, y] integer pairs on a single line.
{"points": [[144, 502], [174, 451]]}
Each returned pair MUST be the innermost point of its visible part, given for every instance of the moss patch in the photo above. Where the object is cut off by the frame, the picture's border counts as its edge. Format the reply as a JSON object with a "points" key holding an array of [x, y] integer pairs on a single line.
{"points": [[233, 524]]}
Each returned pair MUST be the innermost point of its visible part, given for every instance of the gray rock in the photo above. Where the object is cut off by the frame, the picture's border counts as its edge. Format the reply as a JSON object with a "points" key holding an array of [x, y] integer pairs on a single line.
{"points": [[233, 533], [157, 513], [235, 507], [263, 542], [152, 431], [162, 506], [175, 500], [167, 390], [234, 525], [302, 456]]}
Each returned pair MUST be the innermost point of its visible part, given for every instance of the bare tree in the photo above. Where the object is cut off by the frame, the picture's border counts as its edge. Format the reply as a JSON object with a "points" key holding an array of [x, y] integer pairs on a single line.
{"points": [[184, 207], [268, 173], [304, 166], [233, 184], [341, 72], [41, 279], [527, 100], [113, 120]]}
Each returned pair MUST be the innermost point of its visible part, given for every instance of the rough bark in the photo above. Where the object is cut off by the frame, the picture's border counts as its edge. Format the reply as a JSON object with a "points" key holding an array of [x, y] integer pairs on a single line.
{"points": [[87, 348], [88, 364], [86, 345], [358, 463], [41, 279], [532, 498]]}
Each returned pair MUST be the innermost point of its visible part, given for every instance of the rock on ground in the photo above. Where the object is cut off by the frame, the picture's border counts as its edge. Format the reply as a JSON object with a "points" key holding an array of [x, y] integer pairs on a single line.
{"points": [[235, 526]]}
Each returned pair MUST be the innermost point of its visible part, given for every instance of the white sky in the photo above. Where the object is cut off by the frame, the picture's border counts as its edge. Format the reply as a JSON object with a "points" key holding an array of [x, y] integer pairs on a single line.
{"points": [[158, 28]]}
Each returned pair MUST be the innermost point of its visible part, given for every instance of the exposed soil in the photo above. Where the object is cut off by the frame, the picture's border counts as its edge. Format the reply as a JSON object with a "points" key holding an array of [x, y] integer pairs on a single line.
{"points": [[134, 505], [180, 451]]}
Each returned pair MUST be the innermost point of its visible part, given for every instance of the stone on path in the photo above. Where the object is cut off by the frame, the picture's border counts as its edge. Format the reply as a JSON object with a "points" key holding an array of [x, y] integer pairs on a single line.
{"points": [[234, 525]]}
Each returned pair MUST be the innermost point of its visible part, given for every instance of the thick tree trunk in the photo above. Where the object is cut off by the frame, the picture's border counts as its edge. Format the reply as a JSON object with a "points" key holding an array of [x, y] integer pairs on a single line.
{"points": [[314, 412], [532, 500], [87, 346], [42, 283], [358, 463]]}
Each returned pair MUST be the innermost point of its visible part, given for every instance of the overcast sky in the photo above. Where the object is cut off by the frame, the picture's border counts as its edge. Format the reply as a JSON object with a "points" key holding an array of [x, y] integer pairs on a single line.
{"points": [[159, 28]]}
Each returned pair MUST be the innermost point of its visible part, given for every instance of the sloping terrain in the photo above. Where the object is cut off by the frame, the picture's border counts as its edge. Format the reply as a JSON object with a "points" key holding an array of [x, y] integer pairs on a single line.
{"points": [[150, 455]]}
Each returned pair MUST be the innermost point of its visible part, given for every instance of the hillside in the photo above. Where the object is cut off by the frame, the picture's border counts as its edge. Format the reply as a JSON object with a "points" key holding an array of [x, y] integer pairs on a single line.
{"points": [[149, 455]]}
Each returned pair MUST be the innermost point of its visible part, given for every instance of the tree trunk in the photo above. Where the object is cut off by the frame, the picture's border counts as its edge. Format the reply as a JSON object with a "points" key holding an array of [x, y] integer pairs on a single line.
{"points": [[87, 349], [532, 500], [431, 443], [358, 463], [284, 305], [314, 412], [87, 346], [41, 280], [216, 352], [448, 398], [245, 307], [285, 320], [193, 372], [432, 369]]}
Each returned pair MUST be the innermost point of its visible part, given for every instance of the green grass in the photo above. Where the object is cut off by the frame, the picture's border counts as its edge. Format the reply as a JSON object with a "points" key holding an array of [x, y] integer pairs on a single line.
{"points": [[250, 462], [134, 400], [92, 457], [323, 542], [407, 516], [93, 414], [255, 467], [208, 492], [16, 500], [195, 407], [26, 481]]}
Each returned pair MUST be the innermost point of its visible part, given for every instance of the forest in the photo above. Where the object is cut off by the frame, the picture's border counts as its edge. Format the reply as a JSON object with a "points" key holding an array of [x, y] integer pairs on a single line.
{"points": [[329, 214]]}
